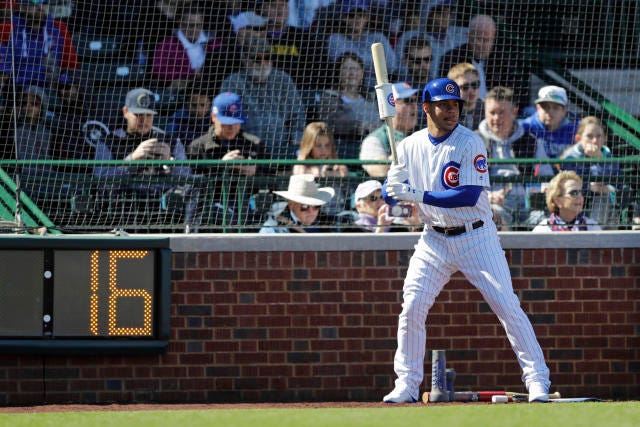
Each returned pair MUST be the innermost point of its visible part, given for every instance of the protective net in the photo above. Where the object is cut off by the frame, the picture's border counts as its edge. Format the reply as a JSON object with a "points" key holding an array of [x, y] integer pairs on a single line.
{"points": [[186, 116]]}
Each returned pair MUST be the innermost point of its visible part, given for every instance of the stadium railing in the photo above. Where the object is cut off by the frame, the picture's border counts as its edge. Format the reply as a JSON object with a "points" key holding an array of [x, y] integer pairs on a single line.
{"points": [[83, 203]]}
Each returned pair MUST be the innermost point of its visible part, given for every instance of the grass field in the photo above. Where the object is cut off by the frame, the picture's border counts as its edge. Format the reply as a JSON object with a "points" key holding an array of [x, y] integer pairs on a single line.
{"points": [[610, 414]]}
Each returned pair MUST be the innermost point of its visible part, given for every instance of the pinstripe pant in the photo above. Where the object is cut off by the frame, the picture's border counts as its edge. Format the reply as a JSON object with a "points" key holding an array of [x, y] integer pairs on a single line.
{"points": [[479, 256]]}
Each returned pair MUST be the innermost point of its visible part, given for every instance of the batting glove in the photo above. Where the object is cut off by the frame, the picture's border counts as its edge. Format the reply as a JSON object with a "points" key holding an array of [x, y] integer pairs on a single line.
{"points": [[397, 175], [405, 192]]}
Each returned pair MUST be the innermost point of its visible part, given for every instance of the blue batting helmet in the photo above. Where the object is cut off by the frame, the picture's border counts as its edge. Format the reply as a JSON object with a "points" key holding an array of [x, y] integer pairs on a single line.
{"points": [[441, 90]]}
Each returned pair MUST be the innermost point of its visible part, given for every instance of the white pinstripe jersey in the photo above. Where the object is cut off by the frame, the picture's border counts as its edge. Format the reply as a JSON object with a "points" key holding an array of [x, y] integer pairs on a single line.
{"points": [[461, 159]]}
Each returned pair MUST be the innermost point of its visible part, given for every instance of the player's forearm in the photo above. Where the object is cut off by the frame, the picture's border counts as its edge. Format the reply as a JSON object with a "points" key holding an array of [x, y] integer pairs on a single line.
{"points": [[460, 197]]}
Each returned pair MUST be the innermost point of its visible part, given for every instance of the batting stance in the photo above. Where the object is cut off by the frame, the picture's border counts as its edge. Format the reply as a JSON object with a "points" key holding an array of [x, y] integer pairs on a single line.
{"points": [[444, 169]]}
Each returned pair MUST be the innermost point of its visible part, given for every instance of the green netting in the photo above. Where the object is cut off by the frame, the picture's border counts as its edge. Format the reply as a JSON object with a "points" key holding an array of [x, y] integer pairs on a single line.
{"points": [[68, 65]]}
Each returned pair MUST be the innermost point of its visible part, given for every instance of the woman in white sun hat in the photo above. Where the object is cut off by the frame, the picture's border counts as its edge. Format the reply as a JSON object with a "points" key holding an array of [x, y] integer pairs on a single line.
{"points": [[300, 213]]}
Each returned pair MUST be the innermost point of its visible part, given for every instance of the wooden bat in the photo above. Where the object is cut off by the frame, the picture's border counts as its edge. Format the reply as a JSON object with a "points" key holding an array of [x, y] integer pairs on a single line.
{"points": [[485, 396], [380, 66]]}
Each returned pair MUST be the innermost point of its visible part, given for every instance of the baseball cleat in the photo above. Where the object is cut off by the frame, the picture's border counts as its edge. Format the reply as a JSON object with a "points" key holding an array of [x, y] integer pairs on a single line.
{"points": [[538, 393], [397, 396]]}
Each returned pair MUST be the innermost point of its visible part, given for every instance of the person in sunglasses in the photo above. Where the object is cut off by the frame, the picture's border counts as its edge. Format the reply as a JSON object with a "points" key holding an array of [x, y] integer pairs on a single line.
{"points": [[565, 202], [374, 215], [468, 79], [300, 212]]}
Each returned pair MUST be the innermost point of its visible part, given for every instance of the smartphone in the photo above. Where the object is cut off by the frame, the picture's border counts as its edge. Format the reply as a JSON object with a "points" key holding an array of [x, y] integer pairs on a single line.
{"points": [[401, 210]]}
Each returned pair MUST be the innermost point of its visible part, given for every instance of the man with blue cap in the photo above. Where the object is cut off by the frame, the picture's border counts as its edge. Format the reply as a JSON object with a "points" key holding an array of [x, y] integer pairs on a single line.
{"points": [[443, 170], [225, 140]]}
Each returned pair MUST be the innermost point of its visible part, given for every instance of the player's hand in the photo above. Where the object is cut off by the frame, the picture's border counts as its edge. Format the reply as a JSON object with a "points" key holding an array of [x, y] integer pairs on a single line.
{"points": [[405, 192], [397, 175]]}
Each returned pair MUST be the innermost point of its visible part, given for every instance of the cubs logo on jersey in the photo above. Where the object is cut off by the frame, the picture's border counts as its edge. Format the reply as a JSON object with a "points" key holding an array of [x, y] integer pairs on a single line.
{"points": [[480, 163], [450, 176]]}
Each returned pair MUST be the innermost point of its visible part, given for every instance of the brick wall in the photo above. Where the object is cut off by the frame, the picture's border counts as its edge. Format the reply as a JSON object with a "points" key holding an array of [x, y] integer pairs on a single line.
{"points": [[300, 325]]}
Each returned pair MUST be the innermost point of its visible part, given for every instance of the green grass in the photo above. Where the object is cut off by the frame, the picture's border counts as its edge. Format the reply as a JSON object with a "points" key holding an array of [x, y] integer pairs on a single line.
{"points": [[611, 414]]}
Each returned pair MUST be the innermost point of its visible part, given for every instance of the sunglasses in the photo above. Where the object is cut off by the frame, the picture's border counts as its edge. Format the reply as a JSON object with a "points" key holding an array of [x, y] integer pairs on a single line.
{"points": [[418, 59], [472, 85], [574, 193], [372, 198], [305, 208]]}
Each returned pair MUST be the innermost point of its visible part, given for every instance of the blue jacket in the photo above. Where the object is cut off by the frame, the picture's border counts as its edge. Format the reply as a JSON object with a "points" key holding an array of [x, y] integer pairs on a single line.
{"points": [[36, 52]]}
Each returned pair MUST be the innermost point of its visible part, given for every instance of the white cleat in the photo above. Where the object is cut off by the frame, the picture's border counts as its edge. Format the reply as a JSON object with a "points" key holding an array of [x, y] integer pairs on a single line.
{"points": [[397, 396], [538, 393]]}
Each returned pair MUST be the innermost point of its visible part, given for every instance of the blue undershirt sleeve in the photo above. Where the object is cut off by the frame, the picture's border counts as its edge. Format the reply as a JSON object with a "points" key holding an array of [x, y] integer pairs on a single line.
{"points": [[467, 195]]}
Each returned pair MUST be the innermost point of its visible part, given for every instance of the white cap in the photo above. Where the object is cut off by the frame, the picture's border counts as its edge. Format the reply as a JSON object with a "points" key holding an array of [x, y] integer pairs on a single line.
{"points": [[554, 94], [304, 190], [366, 188], [402, 90], [247, 19]]}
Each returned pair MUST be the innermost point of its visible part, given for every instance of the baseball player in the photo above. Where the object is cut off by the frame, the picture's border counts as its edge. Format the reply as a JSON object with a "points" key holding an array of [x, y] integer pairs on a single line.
{"points": [[443, 169]]}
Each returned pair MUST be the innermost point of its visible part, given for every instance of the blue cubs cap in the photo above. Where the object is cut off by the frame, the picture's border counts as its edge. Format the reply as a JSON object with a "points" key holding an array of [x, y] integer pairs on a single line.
{"points": [[440, 90], [227, 108]]}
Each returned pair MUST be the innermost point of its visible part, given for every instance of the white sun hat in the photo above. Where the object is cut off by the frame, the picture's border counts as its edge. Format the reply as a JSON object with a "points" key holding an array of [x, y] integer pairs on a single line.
{"points": [[303, 189]]}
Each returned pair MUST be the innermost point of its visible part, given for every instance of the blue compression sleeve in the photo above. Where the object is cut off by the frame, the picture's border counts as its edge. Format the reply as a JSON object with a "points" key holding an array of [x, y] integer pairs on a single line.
{"points": [[467, 195]]}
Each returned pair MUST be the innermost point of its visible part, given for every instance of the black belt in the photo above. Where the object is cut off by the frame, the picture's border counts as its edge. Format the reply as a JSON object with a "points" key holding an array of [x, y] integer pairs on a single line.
{"points": [[456, 231]]}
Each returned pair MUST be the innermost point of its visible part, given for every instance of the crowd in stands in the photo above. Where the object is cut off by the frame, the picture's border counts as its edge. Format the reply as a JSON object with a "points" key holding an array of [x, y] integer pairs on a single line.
{"points": [[175, 80]]}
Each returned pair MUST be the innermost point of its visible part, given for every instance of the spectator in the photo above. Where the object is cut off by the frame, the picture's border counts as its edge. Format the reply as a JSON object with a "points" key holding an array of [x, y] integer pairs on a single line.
{"points": [[191, 121], [274, 108], [7, 115], [247, 26], [180, 58], [318, 143], [33, 135], [498, 61], [139, 140], [374, 215], [355, 37], [565, 202], [468, 79], [415, 64], [71, 114], [590, 143], [43, 45], [549, 125], [437, 28], [477, 51], [301, 212], [294, 49], [376, 145], [226, 141], [347, 108], [505, 138]]}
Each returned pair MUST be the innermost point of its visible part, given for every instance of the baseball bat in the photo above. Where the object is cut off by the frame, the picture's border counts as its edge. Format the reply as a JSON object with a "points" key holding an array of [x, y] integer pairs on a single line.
{"points": [[380, 66], [485, 396]]}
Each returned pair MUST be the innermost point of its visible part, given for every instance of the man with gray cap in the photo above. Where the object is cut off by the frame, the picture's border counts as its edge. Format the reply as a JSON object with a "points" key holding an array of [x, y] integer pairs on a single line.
{"points": [[140, 140], [376, 146], [550, 125]]}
